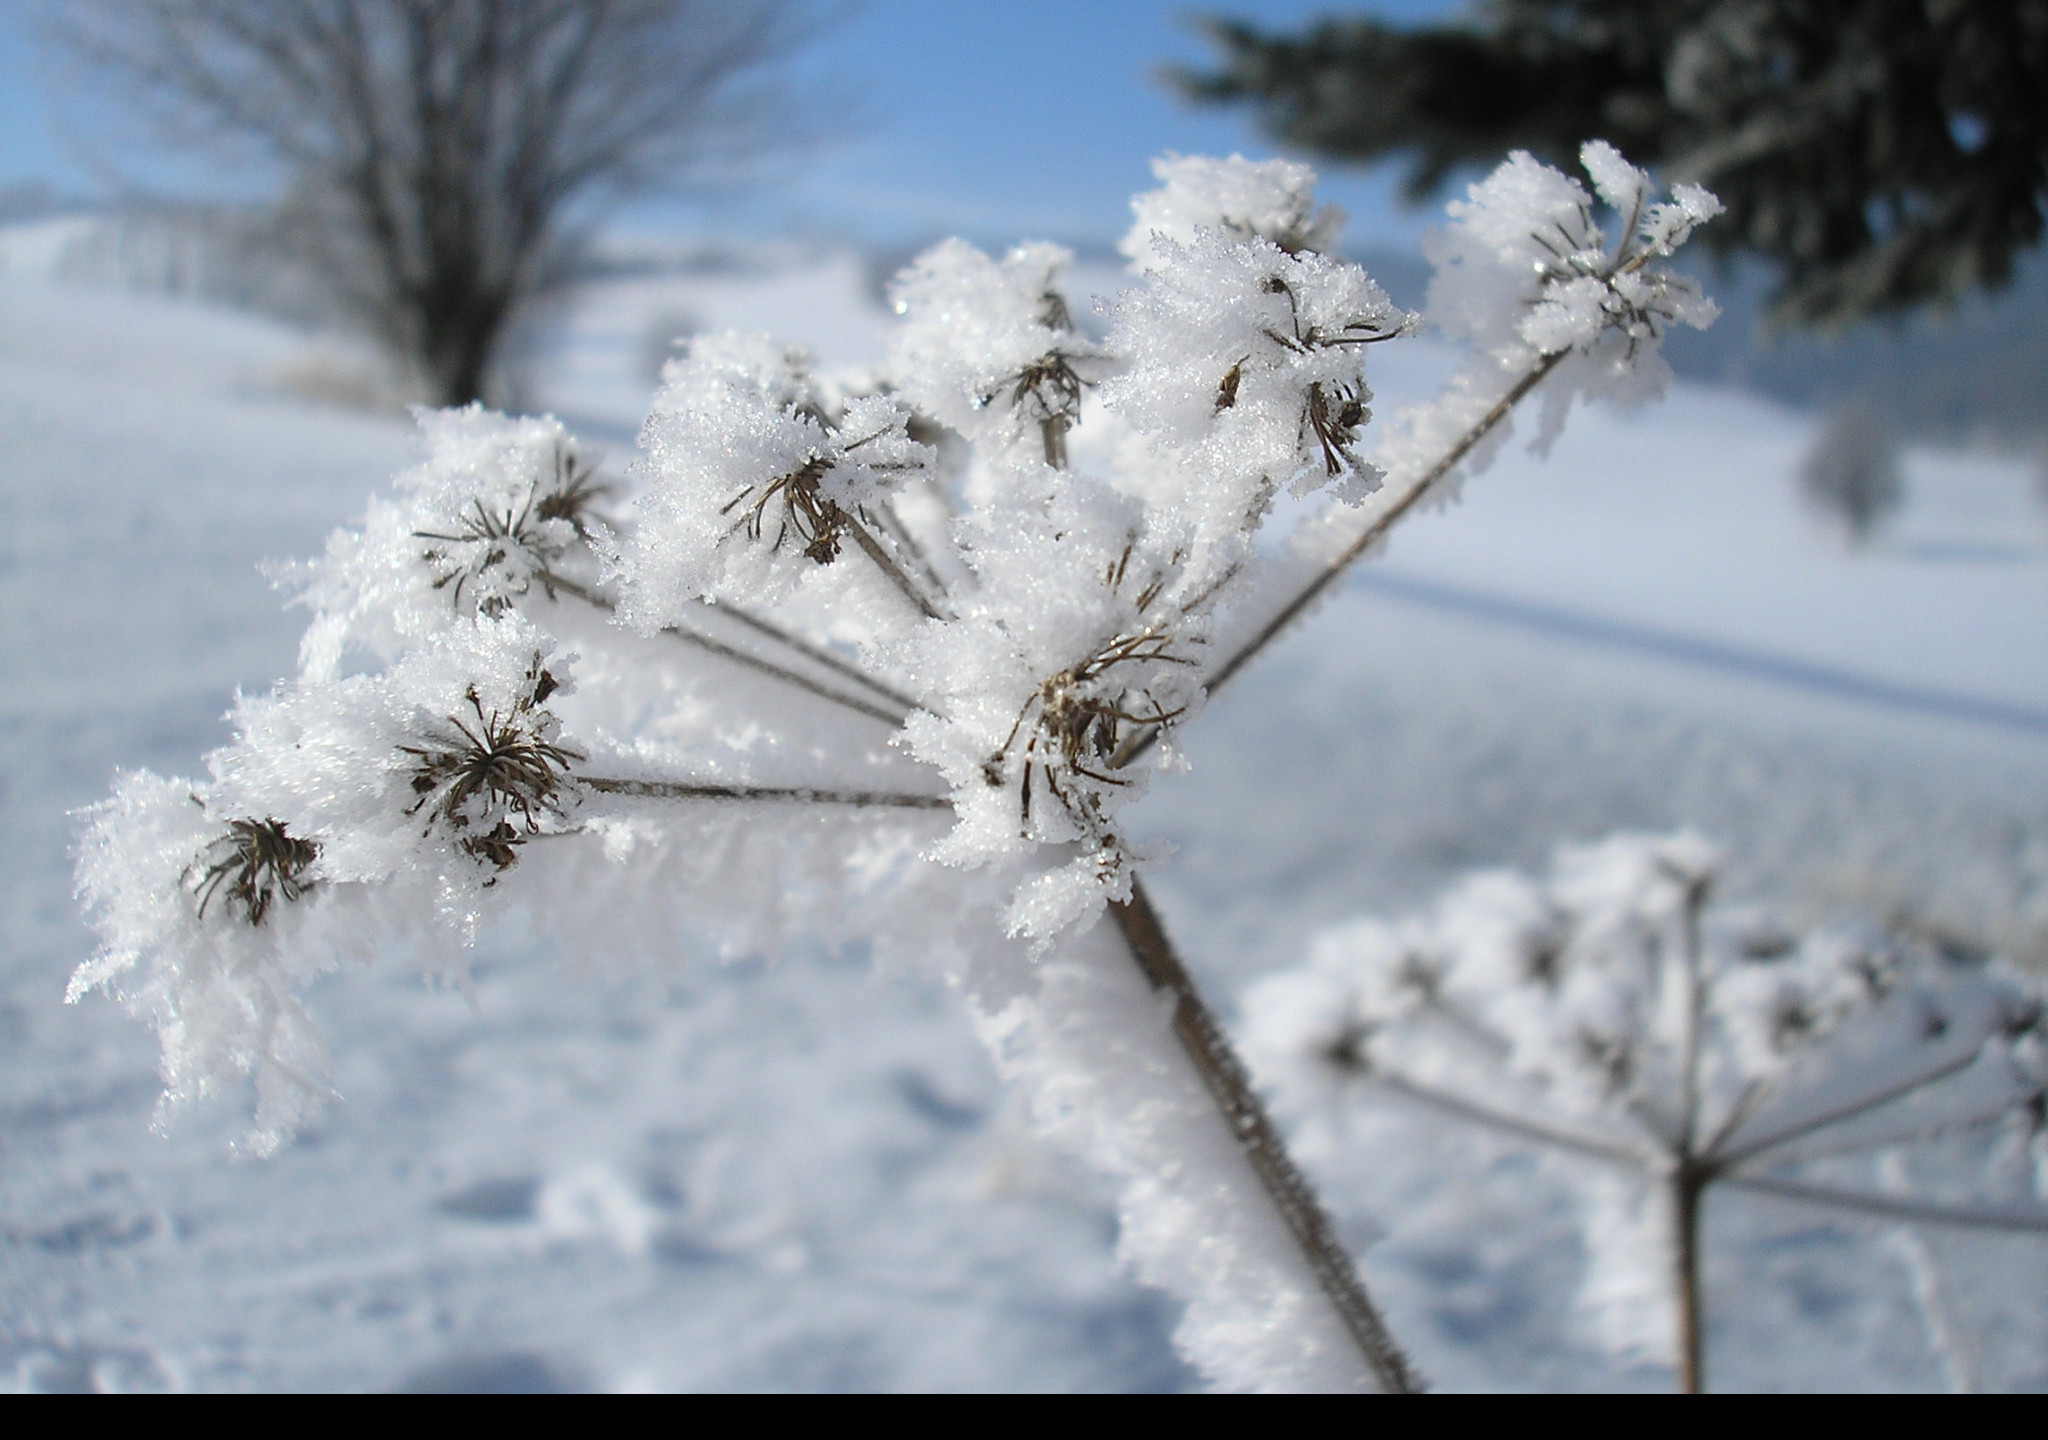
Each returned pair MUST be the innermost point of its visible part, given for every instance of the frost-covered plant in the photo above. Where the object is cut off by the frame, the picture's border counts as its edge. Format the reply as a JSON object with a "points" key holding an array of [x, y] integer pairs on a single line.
{"points": [[1608, 1011], [873, 658]]}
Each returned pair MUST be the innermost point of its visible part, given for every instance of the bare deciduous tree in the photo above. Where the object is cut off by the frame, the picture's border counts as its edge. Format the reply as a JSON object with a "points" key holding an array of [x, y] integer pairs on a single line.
{"points": [[439, 152]]}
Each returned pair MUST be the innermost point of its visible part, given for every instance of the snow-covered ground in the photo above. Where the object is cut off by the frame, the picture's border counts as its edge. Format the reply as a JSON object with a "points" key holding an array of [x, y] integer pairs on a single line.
{"points": [[786, 1173]]}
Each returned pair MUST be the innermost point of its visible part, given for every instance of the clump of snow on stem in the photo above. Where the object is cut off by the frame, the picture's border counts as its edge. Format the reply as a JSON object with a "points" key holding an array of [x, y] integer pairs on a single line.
{"points": [[753, 479], [1246, 366], [1270, 200], [1075, 636], [362, 766], [209, 888], [988, 347]]}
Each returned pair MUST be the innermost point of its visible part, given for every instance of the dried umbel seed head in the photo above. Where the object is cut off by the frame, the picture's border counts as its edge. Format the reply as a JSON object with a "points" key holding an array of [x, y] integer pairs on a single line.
{"points": [[1349, 1050], [257, 862], [1047, 392], [1334, 415], [574, 493], [495, 769], [487, 538], [1053, 312], [815, 517], [808, 509], [1368, 329], [1073, 724], [1612, 1057], [536, 533]]}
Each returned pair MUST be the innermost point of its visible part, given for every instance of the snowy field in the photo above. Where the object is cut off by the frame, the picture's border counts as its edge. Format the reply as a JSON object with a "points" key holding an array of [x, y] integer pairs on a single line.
{"points": [[786, 1173]]}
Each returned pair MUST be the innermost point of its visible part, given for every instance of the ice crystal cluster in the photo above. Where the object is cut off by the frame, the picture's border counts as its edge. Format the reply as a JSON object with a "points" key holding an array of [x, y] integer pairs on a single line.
{"points": [[1609, 1011], [870, 656]]}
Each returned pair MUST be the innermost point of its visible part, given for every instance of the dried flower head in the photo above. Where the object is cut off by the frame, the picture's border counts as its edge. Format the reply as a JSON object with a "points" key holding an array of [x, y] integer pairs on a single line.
{"points": [[258, 862], [496, 768], [575, 493], [1047, 392], [517, 544], [1074, 723], [816, 518]]}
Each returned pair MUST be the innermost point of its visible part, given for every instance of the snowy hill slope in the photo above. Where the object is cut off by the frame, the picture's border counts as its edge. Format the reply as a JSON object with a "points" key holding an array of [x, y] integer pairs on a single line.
{"points": [[791, 1175]]}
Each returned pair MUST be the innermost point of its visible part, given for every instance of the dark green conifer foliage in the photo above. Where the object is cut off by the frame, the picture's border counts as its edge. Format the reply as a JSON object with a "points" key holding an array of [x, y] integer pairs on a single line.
{"points": [[1881, 153]]}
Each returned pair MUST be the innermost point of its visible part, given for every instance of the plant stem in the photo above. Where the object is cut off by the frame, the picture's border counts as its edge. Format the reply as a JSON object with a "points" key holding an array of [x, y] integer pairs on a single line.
{"points": [[1224, 1075], [1687, 1187], [890, 522], [801, 795], [1894, 1207], [739, 657], [886, 563], [1770, 1140], [1695, 1016], [812, 652], [1387, 519], [1541, 1134]]}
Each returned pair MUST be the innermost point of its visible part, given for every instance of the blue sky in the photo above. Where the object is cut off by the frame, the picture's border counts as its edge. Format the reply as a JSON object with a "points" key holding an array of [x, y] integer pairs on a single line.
{"points": [[989, 118]]}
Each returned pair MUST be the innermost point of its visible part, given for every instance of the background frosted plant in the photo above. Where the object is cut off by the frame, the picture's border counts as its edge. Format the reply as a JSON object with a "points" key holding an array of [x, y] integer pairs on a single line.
{"points": [[1610, 1012], [838, 628]]}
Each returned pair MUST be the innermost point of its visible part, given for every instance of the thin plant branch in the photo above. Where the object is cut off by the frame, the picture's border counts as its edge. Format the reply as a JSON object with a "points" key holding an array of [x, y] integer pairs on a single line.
{"points": [[797, 795], [1933, 1129], [1386, 520], [1893, 1207], [1521, 1129], [737, 656], [1876, 1100], [815, 653], [886, 563], [899, 534]]}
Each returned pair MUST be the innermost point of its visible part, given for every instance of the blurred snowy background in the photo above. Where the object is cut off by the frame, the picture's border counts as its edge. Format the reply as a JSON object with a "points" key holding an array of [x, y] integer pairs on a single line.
{"points": [[788, 1173]]}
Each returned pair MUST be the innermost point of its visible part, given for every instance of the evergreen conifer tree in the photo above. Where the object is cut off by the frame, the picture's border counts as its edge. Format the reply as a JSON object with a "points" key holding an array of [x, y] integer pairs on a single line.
{"points": [[1881, 154]]}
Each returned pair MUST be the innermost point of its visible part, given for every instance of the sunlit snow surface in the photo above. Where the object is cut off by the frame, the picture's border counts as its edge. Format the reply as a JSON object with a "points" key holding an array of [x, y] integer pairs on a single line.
{"points": [[791, 1174]]}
